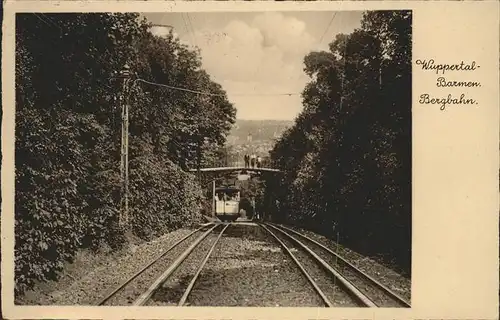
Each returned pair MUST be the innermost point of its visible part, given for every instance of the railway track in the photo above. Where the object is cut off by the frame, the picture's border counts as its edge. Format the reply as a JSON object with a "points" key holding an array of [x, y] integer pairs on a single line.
{"points": [[363, 289], [134, 286], [342, 281]]}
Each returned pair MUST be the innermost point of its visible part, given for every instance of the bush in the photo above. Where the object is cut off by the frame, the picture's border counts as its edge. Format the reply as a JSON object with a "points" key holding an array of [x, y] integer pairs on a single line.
{"points": [[175, 203]]}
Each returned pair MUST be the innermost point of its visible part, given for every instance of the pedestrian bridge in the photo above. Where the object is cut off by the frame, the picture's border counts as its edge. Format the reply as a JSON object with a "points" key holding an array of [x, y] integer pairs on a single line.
{"points": [[228, 169]]}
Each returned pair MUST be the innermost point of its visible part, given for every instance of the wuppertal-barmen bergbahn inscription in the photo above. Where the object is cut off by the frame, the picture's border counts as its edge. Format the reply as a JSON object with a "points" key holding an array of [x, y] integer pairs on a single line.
{"points": [[443, 82]]}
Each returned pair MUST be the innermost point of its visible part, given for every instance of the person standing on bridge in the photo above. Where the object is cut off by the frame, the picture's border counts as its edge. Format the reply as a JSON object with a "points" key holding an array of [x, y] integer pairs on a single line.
{"points": [[252, 160], [255, 214], [259, 161], [247, 160]]}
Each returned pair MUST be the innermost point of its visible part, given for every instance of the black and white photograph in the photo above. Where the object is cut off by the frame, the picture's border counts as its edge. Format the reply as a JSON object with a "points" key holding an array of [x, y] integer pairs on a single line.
{"points": [[213, 159]]}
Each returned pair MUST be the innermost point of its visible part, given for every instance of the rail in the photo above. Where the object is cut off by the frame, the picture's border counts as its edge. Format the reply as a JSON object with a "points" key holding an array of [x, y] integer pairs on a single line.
{"points": [[379, 285], [309, 278], [350, 288], [162, 278], [200, 268], [142, 270]]}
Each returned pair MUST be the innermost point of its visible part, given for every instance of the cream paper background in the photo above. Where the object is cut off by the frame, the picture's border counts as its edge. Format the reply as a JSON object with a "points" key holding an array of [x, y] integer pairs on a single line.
{"points": [[455, 167]]}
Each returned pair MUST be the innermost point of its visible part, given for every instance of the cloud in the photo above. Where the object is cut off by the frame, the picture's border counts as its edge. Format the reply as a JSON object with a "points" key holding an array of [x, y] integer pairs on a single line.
{"points": [[265, 56], [160, 31], [287, 33], [163, 32]]}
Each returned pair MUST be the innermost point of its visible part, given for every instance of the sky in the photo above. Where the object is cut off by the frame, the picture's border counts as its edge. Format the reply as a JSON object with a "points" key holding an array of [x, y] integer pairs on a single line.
{"points": [[258, 56]]}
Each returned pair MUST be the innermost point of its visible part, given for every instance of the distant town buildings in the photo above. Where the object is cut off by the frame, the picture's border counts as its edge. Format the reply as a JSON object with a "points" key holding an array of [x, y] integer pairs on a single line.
{"points": [[254, 137]]}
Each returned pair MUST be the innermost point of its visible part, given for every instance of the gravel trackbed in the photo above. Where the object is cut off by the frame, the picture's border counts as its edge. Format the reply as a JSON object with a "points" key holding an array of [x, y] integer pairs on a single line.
{"points": [[247, 268]]}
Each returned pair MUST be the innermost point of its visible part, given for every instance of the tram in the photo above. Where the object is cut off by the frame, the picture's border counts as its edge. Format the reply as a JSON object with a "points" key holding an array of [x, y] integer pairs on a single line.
{"points": [[227, 203]]}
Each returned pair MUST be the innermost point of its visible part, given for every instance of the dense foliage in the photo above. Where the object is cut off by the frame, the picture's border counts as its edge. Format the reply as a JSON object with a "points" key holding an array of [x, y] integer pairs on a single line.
{"points": [[347, 159], [68, 127]]}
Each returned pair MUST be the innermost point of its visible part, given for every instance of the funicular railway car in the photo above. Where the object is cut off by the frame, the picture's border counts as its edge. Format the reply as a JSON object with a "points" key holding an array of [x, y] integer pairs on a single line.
{"points": [[227, 203]]}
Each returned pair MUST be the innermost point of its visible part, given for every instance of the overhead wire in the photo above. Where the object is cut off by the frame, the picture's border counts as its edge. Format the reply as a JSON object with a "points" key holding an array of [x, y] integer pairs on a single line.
{"points": [[51, 21], [343, 59], [40, 18], [188, 30], [344, 56], [191, 28], [328, 27], [214, 94]]}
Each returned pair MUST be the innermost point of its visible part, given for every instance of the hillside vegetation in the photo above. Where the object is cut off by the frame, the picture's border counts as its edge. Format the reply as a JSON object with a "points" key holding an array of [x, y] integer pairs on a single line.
{"points": [[68, 127], [347, 158]]}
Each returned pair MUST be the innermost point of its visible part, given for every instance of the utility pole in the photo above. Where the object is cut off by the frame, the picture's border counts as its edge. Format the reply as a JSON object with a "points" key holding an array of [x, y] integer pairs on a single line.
{"points": [[198, 160], [125, 75], [213, 198], [226, 152]]}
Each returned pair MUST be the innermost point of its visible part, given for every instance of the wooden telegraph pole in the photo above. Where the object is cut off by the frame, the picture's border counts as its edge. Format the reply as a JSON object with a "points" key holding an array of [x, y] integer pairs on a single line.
{"points": [[125, 75], [213, 198], [227, 156], [198, 160]]}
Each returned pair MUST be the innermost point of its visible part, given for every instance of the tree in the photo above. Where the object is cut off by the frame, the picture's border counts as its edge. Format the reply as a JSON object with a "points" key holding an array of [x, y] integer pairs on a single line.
{"points": [[68, 98], [347, 160]]}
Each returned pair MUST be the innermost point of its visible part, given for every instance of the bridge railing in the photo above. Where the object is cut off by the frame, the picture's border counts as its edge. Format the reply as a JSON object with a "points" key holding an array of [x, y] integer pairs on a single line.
{"points": [[237, 168]]}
